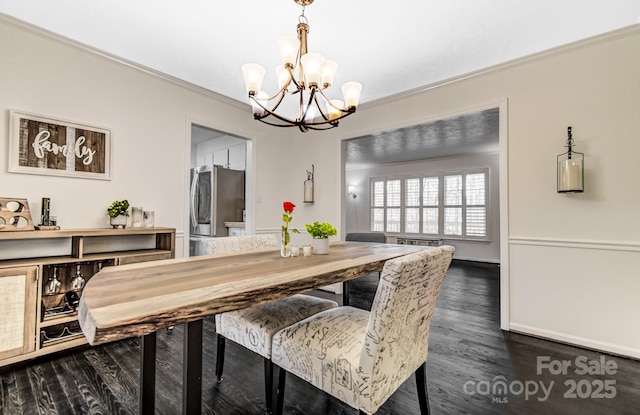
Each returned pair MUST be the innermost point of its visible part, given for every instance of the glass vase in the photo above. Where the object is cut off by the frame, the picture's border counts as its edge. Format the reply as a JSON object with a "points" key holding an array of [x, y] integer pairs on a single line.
{"points": [[136, 217], [285, 245]]}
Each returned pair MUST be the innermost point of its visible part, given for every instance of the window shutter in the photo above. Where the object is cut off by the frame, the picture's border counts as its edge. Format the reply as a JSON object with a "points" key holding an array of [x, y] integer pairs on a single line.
{"points": [[476, 214], [453, 205]]}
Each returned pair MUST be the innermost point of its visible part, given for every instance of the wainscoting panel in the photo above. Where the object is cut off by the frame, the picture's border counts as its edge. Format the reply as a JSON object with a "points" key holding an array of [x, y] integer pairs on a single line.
{"points": [[579, 292]]}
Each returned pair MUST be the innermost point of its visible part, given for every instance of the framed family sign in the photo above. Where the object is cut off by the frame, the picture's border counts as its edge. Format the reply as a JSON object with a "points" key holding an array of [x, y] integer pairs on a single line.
{"points": [[41, 145]]}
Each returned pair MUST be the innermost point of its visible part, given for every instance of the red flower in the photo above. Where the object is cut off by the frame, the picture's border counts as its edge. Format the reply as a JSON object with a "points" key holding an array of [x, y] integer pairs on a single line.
{"points": [[286, 218], [288, 207]]}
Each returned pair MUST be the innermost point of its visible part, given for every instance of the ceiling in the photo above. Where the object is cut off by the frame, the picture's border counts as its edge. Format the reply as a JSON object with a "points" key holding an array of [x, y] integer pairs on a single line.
{"points": [[469, 133], [390, 47]]}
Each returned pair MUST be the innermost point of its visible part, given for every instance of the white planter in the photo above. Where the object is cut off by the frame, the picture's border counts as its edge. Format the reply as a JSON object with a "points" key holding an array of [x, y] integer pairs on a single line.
{"points": [[119, 222], [320, 246]]}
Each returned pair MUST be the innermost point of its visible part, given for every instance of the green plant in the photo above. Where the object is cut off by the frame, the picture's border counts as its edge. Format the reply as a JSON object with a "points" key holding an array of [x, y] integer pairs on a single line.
{"points": [[321, 230], [118, 207]]}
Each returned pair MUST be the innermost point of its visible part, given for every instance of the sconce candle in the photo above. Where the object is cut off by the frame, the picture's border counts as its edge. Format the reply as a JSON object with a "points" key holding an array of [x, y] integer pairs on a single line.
{"points": [[308, 186], [570, 175], [570, 169]]}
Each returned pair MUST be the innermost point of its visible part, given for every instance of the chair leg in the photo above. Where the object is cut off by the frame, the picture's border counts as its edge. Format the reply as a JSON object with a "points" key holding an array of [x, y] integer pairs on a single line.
{"points": [[220, 357], [423, 390], [282, 374], [268, 385]]}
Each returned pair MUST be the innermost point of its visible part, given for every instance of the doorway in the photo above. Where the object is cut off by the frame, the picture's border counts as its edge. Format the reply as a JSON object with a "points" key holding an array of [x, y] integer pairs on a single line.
{"points": [[360, 159], [216, 155]]}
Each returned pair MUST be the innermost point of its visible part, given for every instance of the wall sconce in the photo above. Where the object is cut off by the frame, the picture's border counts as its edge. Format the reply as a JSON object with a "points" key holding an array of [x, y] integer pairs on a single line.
{"points": [[352, 191], [570, 169], [308, 186]]}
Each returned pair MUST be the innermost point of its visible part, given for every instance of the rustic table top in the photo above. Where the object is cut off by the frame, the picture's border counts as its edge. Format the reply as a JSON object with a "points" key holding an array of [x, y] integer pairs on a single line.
{"points": [[138, 299]]}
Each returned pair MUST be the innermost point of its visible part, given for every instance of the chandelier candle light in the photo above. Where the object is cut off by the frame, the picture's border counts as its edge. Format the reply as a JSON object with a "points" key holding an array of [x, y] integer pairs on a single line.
{"points": [[315, 75]]}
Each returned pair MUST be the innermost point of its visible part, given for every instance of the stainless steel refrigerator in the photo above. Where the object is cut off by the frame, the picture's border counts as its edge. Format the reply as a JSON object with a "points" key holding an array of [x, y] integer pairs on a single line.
{"points": [[217, 196]]}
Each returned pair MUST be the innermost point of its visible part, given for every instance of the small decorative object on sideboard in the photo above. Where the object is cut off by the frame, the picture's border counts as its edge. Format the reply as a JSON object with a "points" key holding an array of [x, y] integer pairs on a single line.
{"points": [[15, 215], [320, 233], [148, 218], [118, 212], [136, 216], [47, 222]]}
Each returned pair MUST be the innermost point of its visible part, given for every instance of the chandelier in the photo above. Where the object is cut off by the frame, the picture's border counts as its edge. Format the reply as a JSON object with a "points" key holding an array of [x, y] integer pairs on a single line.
{"points": [[315, 111]]}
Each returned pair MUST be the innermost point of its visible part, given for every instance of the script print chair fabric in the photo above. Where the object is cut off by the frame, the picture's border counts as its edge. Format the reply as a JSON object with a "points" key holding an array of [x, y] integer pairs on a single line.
{"points": [[361, 357], [254, 327], [236, 244]]}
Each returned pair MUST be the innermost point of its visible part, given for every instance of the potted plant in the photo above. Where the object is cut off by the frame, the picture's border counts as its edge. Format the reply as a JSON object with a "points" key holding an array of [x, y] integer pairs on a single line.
{"points": [[118, 212], [320, 233]]}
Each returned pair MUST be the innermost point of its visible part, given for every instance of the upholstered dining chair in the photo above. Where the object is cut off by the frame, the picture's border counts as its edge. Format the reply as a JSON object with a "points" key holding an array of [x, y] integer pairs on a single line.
{"points": [[378, 237], [254, 327], [362, 357], [366, 237]]}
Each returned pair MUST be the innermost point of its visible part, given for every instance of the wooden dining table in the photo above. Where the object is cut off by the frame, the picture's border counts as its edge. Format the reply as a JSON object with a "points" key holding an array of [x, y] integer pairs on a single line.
{"points": [[140, 299]]}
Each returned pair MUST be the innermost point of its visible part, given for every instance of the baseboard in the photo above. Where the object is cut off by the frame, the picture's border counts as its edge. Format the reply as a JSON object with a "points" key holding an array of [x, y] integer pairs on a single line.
{"points": [[582, 342]]}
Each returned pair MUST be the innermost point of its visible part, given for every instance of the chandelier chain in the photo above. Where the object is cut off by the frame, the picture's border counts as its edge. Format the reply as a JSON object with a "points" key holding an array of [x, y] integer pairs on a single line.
{"points": [[302, 18]]}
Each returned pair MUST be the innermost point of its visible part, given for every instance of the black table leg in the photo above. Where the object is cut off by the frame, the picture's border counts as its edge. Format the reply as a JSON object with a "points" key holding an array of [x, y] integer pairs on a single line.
{"points": [[192, 371], [345, 293], [148, 373]]}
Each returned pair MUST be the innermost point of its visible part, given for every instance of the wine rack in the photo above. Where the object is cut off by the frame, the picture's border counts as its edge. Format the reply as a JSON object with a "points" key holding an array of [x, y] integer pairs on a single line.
{"points": [[60, 333], [61, 281]]}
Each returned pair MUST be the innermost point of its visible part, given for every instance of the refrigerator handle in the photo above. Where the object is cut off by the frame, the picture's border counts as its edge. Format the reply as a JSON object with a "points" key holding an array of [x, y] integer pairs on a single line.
{"points": [[194, 196]]}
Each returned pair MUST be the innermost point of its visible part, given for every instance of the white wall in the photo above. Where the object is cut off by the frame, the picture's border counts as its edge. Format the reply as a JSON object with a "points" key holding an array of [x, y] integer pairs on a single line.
{"points": [[281, 176], [148, 116], [572, 261], [358, 212]]}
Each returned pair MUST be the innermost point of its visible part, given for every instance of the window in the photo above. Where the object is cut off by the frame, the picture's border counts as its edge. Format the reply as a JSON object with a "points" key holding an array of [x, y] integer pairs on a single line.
{"points": [[412, 206], [476, 211], [451, 205], [377, 206], [430, 209], [393, 206]]}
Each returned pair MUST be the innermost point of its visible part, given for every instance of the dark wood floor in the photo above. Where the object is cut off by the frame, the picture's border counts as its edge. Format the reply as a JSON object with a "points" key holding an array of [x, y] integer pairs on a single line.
{"points": [[468, 355]]}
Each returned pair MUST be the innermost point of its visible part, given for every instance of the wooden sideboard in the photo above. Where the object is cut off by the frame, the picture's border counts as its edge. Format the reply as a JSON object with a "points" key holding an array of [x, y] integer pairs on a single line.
{"points": [[46, 273]]}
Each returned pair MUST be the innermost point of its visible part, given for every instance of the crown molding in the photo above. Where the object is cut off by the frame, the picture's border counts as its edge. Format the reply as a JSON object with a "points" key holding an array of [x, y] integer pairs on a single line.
{"points": [[590, 41], [598, 39]]}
